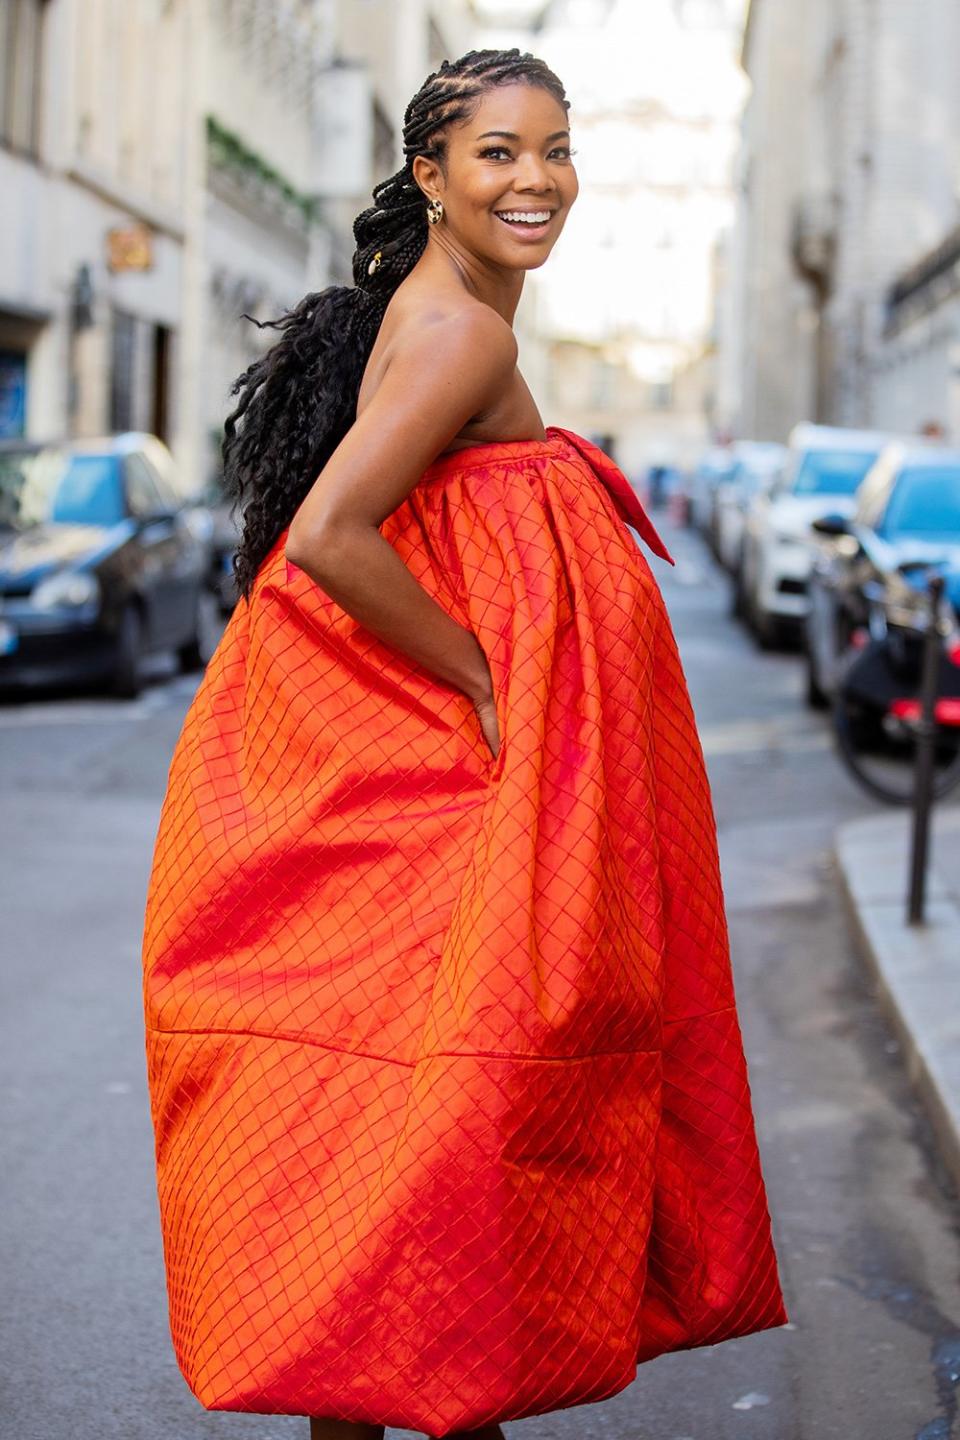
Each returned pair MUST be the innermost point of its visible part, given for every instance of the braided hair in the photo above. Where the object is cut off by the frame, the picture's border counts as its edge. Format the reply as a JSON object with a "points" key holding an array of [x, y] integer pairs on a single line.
{"points": [[298, 400]]}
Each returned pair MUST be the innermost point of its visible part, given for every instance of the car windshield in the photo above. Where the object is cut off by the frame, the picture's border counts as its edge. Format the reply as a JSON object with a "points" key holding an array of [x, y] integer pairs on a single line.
{"points": [[924, 502], [832, 472], [59, 487]]}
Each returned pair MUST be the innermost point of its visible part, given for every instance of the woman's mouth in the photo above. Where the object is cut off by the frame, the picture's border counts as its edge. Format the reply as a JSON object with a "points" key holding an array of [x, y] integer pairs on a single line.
{"points": [[527, 224]]}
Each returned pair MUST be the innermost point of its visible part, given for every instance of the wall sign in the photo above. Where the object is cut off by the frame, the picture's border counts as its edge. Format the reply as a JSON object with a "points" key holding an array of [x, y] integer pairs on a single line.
{"points": [[129, 247]]}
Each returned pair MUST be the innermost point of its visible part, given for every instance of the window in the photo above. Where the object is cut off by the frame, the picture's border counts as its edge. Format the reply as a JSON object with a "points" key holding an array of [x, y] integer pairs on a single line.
{"points": [[832, 472], [873, 494], [925, 502], [88, 493], [51, 485], [13, 393], [122, 355], [169, 499], [142, 492], [20, 65]]}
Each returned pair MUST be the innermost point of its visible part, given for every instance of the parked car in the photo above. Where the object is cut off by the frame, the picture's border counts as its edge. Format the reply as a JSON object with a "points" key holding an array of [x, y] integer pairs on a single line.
{"points": [[101, 562], [867, 575], [718, 463], [225, 539], [661, 483], [824, 468], [758, 463]]}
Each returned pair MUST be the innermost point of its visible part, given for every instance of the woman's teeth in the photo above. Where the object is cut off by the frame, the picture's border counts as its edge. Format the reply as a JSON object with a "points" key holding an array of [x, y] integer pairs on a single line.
{"points": [[525, 217]]}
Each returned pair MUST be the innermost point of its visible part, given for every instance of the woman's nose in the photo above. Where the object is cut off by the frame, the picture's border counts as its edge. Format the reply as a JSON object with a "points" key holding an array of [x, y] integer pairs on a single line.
{"points": [[534, 175]]}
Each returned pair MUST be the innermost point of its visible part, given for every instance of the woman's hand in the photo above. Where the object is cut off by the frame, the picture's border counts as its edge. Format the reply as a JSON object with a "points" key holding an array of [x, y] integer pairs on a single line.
{"points": [[487, 715]]}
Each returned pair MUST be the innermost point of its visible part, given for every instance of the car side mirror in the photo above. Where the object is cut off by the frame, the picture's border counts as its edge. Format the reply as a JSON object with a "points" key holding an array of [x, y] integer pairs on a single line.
{"points": [[833, 525]]}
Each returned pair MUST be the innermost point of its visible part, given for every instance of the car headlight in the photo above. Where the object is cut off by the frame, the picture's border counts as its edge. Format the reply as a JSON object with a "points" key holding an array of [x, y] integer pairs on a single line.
{"points": [[66, 589]]}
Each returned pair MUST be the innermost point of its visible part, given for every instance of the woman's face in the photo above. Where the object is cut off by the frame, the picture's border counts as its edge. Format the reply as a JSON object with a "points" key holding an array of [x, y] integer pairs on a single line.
{"points": [[512, 158]]}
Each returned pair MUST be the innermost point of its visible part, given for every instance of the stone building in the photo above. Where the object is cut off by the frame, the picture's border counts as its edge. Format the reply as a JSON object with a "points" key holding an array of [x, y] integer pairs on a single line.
{"points": [[302, 115], [94, 194], [850, 182], [170, 166], [774, 318]]}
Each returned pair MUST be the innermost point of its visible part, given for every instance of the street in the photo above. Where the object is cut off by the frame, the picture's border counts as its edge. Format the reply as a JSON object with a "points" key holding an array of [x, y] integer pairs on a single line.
{"points": [[866, 1225]]}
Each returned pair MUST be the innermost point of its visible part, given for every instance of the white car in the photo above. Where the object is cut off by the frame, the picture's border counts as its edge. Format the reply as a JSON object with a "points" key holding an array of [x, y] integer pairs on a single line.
{"points": [[824, 468], [758, 463]]}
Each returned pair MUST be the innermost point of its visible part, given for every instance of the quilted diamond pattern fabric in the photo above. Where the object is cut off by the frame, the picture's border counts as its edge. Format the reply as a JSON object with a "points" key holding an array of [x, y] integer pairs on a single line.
{"points": [[452, 1117]]}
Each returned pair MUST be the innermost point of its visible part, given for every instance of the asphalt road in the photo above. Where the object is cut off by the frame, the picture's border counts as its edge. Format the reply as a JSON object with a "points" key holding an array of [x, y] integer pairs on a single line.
{"points": [[865, 1224]]}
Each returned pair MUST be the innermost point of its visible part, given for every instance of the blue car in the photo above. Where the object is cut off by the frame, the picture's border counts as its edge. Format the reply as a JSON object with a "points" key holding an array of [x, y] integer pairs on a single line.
{"points": [[869, 575], [102, 561]]}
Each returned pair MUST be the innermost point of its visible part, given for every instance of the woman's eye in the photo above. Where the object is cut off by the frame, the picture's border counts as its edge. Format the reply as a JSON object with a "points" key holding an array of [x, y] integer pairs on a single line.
{"points": [[563, 151]]}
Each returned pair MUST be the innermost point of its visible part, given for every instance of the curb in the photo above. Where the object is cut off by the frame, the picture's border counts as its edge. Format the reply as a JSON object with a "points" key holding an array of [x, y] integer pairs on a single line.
{"points": [[917, 967]]}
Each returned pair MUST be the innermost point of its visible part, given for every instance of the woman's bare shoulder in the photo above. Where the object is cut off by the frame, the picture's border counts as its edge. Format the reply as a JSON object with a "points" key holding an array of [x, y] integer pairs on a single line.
{"points": [[456, 335], [420, 312]]}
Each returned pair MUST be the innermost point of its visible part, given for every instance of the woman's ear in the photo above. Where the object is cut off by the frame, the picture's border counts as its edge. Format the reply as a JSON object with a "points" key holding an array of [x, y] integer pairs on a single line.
{"points": [[426, 173]]}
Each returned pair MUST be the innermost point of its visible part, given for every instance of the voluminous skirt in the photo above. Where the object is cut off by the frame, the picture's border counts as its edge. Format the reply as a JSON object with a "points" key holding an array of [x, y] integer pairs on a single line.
{"points": [[451, 1108]]}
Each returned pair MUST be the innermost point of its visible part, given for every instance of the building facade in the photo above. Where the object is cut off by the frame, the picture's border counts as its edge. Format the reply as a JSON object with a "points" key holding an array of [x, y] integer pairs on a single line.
{"points": [[171, 167], [772, 376], [613, 326], [849, 206], [92, 249]]}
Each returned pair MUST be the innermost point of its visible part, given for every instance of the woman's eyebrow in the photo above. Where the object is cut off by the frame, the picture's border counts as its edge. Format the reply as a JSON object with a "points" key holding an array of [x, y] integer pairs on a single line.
{"points": [[512, 135]]}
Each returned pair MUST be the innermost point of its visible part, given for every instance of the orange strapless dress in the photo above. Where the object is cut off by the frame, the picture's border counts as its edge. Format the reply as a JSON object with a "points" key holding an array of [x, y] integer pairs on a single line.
{"points": [[451, 1107]]}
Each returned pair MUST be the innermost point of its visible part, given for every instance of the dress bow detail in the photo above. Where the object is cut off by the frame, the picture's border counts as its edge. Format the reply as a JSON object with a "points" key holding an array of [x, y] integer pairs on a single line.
{"points": [[622, 493]]}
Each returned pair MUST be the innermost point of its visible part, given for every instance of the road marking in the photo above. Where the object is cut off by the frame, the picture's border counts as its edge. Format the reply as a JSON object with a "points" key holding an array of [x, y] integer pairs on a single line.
{"points": [[744, 737]]}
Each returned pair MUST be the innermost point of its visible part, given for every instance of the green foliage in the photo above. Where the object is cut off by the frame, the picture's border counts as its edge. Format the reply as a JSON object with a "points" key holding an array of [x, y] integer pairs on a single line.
{"points": [[226, 151]]}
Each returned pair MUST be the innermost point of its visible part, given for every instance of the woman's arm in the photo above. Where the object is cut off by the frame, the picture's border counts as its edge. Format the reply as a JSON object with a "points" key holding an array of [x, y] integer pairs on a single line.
{"points": [[438, 379]]}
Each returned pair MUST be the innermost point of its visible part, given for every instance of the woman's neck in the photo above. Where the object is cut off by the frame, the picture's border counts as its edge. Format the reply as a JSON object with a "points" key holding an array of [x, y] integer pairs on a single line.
{"points": [[498, 288]]}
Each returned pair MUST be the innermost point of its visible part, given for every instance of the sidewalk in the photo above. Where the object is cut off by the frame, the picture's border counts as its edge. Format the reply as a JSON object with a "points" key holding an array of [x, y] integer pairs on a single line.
{"points": [[917, 967]]}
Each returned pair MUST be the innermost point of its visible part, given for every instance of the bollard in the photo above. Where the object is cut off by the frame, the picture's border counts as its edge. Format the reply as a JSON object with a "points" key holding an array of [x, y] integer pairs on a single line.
{"points": [[923, 772]]}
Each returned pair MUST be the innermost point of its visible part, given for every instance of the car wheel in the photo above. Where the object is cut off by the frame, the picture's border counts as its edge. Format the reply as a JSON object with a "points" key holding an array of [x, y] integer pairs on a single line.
{"points": [[126, 672], [195, 654], [764, 627], [767, 632], [737, 596]]}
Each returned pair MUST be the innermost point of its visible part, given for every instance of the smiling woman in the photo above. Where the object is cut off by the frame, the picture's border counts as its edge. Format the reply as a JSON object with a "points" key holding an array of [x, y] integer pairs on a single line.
{"points": [[449, 1093]]}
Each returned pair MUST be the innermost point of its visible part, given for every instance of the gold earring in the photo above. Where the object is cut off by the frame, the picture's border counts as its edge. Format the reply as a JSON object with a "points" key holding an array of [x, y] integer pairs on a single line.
{"points": [[374, 263], [434, 211]]}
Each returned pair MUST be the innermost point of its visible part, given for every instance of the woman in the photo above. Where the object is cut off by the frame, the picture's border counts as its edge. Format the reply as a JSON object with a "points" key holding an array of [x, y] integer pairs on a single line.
{"points": [[451, 1108]]}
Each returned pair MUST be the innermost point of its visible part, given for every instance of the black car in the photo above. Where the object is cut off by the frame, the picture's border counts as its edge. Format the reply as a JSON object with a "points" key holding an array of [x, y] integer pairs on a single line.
{"points": [[102, 561], [868, 575]]}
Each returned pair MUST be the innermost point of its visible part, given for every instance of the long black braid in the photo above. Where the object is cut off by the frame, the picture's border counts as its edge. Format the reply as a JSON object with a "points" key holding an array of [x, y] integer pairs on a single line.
{"points": [[297, 401]]}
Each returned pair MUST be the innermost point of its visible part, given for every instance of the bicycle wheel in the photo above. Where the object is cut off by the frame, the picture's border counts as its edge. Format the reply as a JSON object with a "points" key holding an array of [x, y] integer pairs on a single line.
{"points": [[877, 723]]}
